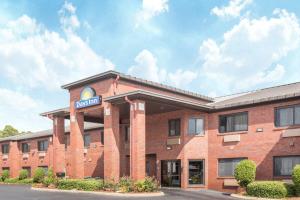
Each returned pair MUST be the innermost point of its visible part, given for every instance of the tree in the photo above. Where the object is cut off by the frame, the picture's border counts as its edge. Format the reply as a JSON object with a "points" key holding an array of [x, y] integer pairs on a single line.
{"points": [[8, 131]]}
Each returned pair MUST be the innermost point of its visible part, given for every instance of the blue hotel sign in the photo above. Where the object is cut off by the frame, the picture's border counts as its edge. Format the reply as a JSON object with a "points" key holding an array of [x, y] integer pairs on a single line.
{"points": [[88, 98]]}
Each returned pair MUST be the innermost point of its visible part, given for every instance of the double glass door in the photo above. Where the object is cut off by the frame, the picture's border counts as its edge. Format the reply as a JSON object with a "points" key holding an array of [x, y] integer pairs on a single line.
{"points": [[171, 173]]}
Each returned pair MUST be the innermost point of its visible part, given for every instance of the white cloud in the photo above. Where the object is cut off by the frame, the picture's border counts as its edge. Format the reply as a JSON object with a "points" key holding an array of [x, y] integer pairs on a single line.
{"points": [[68, 18], [33, 56], [250, 52], [151, 8], [146, 67], [232, 10], [20, 109]]}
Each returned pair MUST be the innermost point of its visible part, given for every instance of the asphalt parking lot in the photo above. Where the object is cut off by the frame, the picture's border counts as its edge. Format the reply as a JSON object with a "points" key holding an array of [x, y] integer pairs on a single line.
{"points": [[17, 192]]}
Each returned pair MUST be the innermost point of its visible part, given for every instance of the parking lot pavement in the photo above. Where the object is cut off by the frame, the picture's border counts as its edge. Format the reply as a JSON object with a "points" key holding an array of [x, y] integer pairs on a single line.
{"points": [[13, 192]]}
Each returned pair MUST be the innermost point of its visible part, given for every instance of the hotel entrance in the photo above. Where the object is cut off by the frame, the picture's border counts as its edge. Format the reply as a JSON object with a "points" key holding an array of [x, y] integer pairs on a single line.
{"points": [[171, 173]]}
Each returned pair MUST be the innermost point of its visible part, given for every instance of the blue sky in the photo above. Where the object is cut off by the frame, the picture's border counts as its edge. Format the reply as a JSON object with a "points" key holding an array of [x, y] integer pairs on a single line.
{"points": [[213, 47]]}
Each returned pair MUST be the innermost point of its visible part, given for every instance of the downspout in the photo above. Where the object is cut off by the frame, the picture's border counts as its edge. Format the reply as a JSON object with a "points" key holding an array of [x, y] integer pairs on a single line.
{"points": [[131, 105], [115, 83]]}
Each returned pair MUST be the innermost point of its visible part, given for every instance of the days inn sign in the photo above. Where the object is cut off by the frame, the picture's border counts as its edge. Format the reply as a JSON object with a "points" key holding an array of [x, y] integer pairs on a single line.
{"points": [[88, 98]]}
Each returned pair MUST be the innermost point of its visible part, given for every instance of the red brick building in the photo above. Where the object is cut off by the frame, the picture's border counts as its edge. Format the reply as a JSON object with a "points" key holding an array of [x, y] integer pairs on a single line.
{"points": [[144, 128]]}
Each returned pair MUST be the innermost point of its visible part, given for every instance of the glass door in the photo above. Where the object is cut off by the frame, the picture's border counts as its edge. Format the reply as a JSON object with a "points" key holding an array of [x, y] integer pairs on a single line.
{"points": [[171, 173]]}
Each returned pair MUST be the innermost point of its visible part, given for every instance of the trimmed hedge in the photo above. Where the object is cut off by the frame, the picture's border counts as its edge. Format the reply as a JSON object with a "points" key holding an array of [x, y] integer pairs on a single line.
{"points": [[23, 174], [296, 179], [39, 175], [267, 189], [5, 175], [86, 185], [290, 188], [245, 172]]}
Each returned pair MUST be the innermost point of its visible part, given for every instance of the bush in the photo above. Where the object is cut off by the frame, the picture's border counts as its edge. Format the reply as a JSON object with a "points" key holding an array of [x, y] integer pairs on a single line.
{"points": [[23, 174], [245, 172], [86, 185], [39, 175], [267, 189], [147, 185], [110, 185], [290, 188], [296, 179], [11, 180], [125, 184], [5, 175], [50, 179]]}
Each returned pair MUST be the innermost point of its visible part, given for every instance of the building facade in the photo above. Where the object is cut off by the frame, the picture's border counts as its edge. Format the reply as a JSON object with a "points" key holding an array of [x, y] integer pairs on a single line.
{"points": [[141, 128]]}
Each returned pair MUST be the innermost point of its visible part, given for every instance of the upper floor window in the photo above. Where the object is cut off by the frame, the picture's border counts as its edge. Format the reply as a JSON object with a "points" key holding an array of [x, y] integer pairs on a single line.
{"points": [[233, 122], [5, 148], [284, 165], [226, 166], [42, 145], [174, 127], [25, 148], [287, 116], [196, 126], [67, 141], [127, 133], [86, 140], [102, 137]]}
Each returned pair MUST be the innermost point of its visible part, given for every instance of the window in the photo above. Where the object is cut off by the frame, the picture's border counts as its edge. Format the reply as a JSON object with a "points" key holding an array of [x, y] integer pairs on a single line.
{"points": [[196, 126], [67, 141], [227, 166], [283, 165], [196, 172], [25, 148], [287, 116], [5, 148], [174, 127], [45, 168], [28, 169], [233, 122], [127, 133], [102, 137], [42, 145], [87, 140]]}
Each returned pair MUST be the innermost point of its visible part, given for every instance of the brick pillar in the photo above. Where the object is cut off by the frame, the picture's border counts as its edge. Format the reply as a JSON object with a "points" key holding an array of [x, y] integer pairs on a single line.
{"points": [[111, 142], [14, 159], [137, 140], [58, 144], [76, 144]]}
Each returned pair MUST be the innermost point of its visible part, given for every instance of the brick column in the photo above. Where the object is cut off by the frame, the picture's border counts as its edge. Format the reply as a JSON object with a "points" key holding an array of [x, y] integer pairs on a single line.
{"points": [[137, 140], [14, 159], [58, 144], [111, 142], [76, 144]]}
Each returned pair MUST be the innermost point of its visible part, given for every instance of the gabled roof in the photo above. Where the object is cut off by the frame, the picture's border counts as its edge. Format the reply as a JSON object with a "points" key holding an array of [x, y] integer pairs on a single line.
{"points": [[114, 74], [276, 93], [45, 133]]}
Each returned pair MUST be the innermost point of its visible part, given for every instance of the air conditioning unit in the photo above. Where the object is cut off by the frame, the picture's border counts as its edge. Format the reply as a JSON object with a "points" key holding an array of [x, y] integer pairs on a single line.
{"points": [[42, 154], [4, 156], [25, 155]]}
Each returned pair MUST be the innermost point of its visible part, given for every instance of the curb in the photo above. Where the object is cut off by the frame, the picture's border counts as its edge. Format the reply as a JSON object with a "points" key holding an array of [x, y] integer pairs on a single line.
{"points": [[154, 194], [250, 198]]}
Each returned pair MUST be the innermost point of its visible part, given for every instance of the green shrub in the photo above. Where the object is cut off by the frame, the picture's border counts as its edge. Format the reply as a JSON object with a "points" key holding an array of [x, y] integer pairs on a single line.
{"points": [[147, 185], [110, 185], [267, 189], [50, 179], [86, 185], [11, 180], [125, 184], [23, 174], [26, 181], [245, 172], [290, 188], [39, 175], [5, 175], [296, 179]]}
